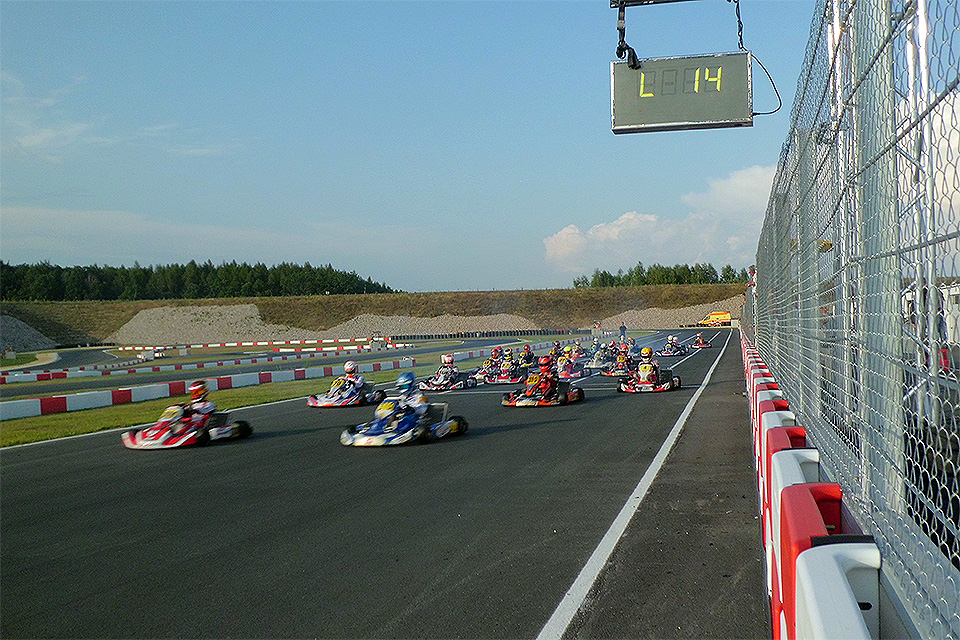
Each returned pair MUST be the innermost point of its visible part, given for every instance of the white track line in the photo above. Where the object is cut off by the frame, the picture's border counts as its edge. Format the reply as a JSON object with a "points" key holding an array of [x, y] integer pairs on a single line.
{"points": [[577, 594]]}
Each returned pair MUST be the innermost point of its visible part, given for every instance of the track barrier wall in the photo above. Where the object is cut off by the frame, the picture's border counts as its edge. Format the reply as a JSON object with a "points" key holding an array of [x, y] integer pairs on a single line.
{"points": [[822, 573]]}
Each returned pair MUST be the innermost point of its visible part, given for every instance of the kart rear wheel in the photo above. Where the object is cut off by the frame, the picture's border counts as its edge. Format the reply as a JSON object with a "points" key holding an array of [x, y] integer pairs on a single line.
{"points": [[471, 383], [676, 382], [244, 430], [460, 425], [203, 437]]}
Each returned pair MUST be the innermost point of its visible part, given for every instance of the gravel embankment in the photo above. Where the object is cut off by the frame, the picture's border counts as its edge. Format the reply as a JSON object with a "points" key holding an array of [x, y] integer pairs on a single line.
{"points": [[19, 336], [242, 323]]}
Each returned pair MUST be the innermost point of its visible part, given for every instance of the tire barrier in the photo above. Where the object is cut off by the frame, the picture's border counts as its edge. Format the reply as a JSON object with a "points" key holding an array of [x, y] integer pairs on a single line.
{"points": [[491, 334], [822, 574], [13, 409]]}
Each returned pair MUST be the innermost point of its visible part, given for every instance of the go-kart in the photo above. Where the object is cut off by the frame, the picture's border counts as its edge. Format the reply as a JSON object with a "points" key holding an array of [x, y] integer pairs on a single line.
{"points": [[447, 383], [176, 429], [699, 345], [619, 368], [600, 360], [646, 379], [530, 395], [342, 394], [391, 425], [508, 373], [485, 370], [671, 350], [567, 369]]}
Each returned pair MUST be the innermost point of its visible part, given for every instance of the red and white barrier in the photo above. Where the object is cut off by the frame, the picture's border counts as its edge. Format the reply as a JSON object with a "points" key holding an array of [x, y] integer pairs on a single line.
{"points": [[822, 575], [838, 591], [246, 344], [13, 409], [82, 372]]}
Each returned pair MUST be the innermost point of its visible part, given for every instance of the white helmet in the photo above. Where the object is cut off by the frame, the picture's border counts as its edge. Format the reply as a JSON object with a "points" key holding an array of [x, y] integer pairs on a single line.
{"points": [[349, 367], [447, 358]]}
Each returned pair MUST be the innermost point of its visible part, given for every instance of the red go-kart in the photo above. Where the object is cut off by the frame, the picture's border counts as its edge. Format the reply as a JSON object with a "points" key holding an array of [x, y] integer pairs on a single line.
{"points": [[530, 395]]}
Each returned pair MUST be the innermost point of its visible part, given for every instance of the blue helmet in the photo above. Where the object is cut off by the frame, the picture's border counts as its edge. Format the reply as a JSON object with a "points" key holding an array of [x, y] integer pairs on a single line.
{"points": [[405, 381]]}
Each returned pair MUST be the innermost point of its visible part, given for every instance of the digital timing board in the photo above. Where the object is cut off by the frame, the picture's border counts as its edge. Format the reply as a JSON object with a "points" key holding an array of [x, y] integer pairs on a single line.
{"points": [[689, 92]]}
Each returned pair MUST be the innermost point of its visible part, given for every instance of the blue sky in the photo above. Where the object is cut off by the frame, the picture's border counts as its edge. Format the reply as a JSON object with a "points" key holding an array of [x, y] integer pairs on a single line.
{"points": [[444, 145]]}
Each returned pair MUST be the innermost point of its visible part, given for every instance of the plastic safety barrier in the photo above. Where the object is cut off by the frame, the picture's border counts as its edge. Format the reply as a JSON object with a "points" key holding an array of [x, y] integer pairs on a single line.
{"points": [[838, 589]]}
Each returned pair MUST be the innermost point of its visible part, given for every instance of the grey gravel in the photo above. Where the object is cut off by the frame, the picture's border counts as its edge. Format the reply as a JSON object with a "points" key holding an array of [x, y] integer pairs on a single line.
{"points": [[19, 336], [163, 326]]}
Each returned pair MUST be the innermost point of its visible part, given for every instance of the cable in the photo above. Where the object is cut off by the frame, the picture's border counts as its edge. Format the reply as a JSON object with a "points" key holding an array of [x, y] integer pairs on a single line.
{"points": [[736, 4], [623, 49]]}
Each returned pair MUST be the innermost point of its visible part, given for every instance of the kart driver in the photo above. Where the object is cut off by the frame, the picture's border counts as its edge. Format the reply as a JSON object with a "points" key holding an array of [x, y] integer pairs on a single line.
{"points": [[548, 380], [497, 355], [699, 340], [448, 372], [352, 377], [557, 351], [646, 357], [198, 410], [526, 356], [409, 398]]}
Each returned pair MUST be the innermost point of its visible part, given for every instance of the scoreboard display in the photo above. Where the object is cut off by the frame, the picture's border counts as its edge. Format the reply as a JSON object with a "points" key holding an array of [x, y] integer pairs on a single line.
{"points": [[690, 92]]}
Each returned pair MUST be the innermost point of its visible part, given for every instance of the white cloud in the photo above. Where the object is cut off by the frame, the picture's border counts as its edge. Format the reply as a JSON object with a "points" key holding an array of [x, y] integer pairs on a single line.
{"points": [[722, 227], [38, 127]]}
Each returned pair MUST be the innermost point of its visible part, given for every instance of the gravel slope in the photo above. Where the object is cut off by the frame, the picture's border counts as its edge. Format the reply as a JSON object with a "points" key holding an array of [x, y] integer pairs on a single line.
{"points": [[237, 323]]}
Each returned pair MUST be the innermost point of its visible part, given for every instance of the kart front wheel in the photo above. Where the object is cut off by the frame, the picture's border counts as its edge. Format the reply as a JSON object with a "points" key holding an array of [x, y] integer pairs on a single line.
{"points": [[377, 396], [471, 383]]}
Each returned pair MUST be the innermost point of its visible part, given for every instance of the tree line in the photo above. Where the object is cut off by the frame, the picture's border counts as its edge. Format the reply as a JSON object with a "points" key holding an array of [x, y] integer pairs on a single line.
{"points": [[661, 274], [48, 282]]}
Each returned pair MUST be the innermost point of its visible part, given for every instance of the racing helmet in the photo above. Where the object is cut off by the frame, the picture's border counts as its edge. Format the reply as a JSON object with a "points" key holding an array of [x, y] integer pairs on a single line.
{"points": [[545, 363], [646, 354], [405, 382], [556, 344], [446, 358], [526, 348], [349, 367], [631, 341], [508, 354], [497, 352], [198, 390], [568, 349]]}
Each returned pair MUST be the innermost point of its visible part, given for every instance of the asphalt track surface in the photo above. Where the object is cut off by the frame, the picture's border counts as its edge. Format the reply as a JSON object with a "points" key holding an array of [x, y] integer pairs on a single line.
{"points": [[290, 535]]}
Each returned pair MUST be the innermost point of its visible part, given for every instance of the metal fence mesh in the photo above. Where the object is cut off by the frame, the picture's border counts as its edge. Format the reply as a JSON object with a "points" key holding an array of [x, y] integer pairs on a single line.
{"points": [[856, 307]]}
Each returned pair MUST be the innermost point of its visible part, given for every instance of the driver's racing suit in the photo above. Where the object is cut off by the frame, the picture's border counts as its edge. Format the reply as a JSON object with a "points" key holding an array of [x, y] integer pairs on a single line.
{"points": [[446, 373]]}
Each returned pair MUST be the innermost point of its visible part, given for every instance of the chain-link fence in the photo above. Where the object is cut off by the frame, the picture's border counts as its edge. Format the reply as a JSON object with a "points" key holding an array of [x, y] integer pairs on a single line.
{"points": [[856, 307]]}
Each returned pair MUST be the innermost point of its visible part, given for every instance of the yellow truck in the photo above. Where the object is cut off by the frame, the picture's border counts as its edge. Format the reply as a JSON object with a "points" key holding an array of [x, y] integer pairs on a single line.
{"points": [[716, 319]]}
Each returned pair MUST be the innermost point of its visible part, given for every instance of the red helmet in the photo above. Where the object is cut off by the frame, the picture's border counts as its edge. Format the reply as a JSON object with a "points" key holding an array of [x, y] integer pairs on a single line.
{"points": [[198, 390], [349, 367], [447, 358], [497, 352], [526, 348], [546, 363]]}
